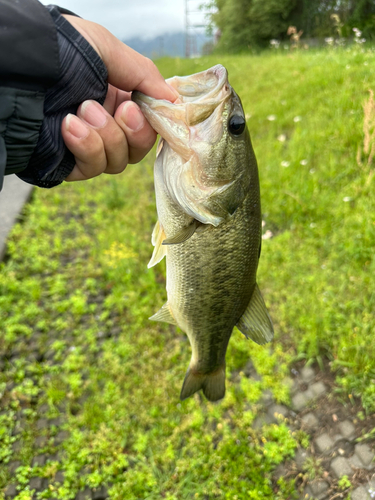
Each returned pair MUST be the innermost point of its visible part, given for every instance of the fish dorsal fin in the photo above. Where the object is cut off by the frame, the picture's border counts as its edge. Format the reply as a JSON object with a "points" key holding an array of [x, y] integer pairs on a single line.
{"points": [[255, 322], [164, 314], [184, 234], [157, 238]]}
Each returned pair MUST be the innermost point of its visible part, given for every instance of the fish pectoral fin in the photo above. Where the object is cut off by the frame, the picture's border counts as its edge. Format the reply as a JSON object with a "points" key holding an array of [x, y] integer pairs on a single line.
{"points": [[184, 234], [255, 322], [157, 238], [164, 314], [159, 146], [212, 384]]}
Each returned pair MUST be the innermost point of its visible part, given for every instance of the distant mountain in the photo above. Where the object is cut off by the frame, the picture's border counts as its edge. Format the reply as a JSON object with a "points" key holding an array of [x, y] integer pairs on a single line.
{"points": [[168, 44]]}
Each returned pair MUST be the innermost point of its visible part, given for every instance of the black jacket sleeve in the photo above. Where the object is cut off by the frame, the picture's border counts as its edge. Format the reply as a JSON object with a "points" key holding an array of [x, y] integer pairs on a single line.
{"points": [[29, 55], [40, 84], [29, 65]]}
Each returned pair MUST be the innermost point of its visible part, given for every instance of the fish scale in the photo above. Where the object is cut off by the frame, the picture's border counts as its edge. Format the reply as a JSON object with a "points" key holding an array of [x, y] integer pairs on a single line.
{"points": [[209, 224]]}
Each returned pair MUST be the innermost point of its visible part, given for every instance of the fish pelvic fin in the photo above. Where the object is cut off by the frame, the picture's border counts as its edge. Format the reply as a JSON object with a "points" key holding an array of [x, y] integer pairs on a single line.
{"points": [[212, 384], [184, 234], [164, 314], [255, 322], [157, 238]]}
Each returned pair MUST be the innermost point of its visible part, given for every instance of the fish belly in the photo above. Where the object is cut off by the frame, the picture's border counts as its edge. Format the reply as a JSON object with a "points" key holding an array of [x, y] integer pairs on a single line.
{"points": [[210, 280]]}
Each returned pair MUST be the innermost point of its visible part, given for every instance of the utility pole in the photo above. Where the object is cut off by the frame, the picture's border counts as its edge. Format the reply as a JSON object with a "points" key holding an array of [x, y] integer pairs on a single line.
{"points": [[195, 22]]}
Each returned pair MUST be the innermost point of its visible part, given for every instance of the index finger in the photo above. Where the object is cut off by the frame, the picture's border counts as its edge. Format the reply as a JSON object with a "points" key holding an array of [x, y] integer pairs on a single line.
{"points": [[127, 69]]}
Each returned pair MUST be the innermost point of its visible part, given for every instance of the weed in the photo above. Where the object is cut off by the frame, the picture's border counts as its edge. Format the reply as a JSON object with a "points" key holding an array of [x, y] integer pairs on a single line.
{"points": [[313, 468], [344, 483], [368, 130]]}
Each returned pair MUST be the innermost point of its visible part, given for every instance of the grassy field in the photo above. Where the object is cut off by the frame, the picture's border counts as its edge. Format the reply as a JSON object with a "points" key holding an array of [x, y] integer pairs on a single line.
{"points": [[76, 288]]}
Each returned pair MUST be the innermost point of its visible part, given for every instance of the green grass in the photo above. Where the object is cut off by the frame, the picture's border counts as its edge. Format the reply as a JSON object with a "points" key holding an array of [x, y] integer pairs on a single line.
{"points": [[76, 285]]}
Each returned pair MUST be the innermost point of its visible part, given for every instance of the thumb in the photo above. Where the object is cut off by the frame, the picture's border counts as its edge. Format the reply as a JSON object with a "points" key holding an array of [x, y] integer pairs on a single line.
{"points": [[127, 69]]}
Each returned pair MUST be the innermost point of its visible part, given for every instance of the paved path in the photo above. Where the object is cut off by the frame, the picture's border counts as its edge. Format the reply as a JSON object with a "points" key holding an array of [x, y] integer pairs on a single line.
{"points": [[13, 196]]}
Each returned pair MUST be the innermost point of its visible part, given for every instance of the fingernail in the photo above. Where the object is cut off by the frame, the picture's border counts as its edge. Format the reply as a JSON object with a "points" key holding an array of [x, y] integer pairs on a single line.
{"points": [[93, 114], [76, 127], [133, 116], [173, 90]]}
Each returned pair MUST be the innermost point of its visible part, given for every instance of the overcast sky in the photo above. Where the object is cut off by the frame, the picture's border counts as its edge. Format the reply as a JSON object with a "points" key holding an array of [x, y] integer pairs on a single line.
{"points": [[128, 18]]}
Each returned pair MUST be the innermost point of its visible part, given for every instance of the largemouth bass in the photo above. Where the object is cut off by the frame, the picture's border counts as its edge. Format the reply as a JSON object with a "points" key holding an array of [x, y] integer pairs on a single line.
{"points": [[209, 222]]}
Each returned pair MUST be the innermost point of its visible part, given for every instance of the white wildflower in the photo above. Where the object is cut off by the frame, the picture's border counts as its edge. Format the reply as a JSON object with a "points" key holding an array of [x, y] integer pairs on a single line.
{"points": [[267, 235], [297, 119], [281, 138], [275, 44], [285, 164], [329, 40], [303, 162], [312, 225], [247, 116], [312, 170], [271, 118], [347, 66], [346, 199]]}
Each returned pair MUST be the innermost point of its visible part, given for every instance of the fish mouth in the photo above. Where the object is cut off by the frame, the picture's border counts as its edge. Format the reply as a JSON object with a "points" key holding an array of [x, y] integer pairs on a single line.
{"points": [[205, 85], [199, 96]]}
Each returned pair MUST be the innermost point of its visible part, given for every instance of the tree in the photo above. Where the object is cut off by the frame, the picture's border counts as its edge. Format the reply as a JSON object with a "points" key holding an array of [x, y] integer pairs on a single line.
{"points": [[363, 17], [250, 23]]}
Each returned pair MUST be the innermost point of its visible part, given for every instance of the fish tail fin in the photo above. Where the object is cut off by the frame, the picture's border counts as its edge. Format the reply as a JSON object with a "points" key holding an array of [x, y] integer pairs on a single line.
{"points": [[212, 384]]}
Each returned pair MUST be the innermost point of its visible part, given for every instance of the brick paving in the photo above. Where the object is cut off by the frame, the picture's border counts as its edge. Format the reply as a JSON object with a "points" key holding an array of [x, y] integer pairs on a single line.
{"points": [[336, 446]]}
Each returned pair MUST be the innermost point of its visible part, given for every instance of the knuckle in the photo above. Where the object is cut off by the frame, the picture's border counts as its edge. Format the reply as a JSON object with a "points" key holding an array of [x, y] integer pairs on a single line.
{"points": [[151, 65], [117, 169], [136, 155], [118, 139], [96, 152]]}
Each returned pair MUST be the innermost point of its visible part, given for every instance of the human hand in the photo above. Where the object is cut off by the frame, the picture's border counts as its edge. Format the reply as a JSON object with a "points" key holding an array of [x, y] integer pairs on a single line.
{"points": [[106, 138]]}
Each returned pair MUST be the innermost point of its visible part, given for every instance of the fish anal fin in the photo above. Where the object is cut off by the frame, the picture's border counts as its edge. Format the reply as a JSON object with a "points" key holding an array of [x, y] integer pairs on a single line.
{"points": [[157, 238], [212, 384], [184, 234], [255, 322], [164, 314]]}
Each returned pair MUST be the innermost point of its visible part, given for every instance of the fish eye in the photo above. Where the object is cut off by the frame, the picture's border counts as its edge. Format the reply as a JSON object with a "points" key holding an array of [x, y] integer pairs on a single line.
{"points": [[236, 125]]}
